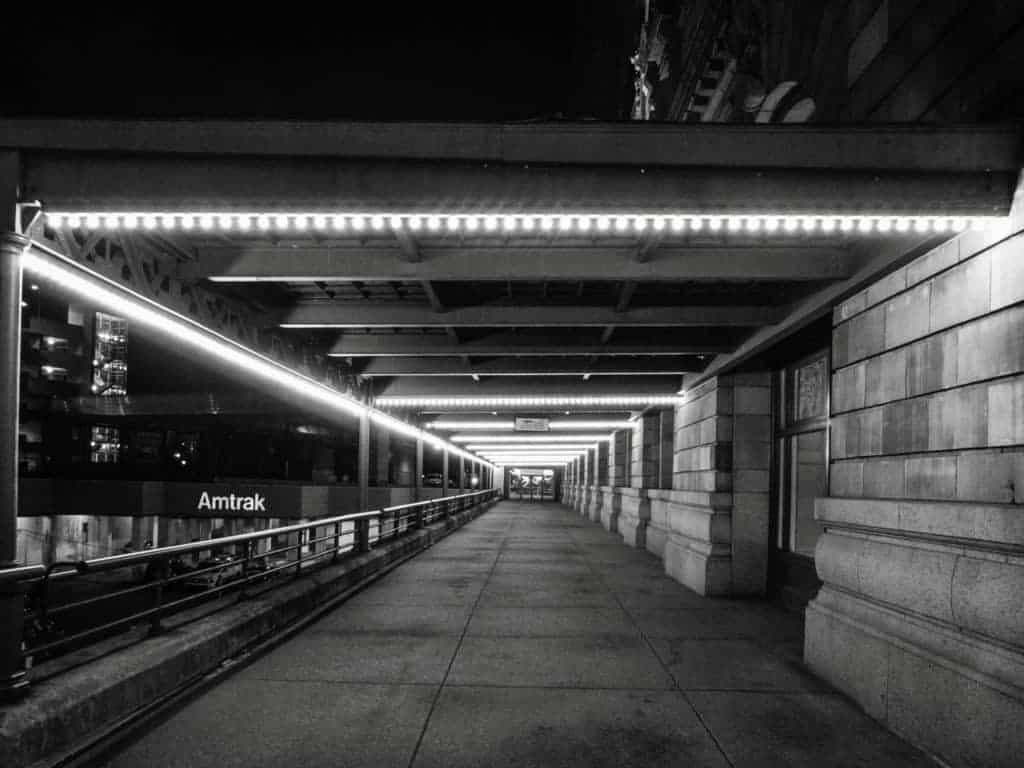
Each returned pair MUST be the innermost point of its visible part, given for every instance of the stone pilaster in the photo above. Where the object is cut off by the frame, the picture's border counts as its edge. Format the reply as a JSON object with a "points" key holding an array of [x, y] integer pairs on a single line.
{"points": [[644, 457], [611, 508], [619, 458], [922, 556], [599, 479], [634, 514], [717, 512]]}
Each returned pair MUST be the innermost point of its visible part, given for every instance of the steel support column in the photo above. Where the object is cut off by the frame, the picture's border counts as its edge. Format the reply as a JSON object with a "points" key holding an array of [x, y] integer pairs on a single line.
{"points": [[444, 473], [12, 674], [417, 480], [364, 462]]}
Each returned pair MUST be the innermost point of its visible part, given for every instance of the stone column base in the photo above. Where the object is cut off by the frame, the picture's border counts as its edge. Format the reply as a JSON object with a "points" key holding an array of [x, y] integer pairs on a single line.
{"points": [[594, 506], [703, 567], [585, 505], [957, 696], [633, 519], [611, 507], [658, 526]]}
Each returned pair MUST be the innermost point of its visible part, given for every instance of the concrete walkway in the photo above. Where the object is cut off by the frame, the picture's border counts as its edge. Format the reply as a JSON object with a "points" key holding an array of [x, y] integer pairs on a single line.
{"points": [[530, 637]]}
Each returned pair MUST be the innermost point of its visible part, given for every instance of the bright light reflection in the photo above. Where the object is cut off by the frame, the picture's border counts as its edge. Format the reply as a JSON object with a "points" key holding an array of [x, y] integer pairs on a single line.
{"points": [[94, 287]]}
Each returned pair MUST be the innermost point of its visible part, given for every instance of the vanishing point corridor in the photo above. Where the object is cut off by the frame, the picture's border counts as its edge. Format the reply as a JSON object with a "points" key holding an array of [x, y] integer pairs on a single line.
{"points": [[530, 637]]}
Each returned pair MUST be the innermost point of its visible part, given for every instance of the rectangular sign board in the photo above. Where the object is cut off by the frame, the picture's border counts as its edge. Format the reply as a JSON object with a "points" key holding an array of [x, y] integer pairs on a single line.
{"points": [[526, 424]]}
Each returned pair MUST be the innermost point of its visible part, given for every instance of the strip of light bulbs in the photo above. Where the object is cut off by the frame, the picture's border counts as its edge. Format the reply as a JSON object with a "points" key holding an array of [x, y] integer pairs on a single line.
{"points": [[553, 425], [511, 401], [504, 223], [79, 279]]}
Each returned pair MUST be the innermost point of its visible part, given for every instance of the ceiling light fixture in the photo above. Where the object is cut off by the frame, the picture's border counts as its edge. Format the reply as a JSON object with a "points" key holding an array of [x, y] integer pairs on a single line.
{"points": [[524, 401]]}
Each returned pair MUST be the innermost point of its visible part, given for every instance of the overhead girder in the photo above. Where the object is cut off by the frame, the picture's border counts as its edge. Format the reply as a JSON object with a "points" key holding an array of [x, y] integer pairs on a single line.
{"points": [[529, 366], [406, 315], [241, 262], [509, 344]]}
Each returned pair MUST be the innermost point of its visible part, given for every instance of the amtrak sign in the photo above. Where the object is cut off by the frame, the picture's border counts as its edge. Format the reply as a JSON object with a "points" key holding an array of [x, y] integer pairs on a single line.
{"points": [[254, 502], [286, 501]]}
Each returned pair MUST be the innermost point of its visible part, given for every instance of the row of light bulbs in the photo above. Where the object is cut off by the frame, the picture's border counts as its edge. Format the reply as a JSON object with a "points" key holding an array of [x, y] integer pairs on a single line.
{"points": [[622, 224]]}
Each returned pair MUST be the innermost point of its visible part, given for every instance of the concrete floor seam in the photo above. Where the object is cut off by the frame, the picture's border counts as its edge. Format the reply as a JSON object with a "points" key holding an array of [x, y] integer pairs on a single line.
{"points": [[665, 668], [455, 653]]}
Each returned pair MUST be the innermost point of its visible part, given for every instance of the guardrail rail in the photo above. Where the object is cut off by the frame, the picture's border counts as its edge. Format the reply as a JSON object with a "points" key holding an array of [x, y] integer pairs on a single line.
{"points": [[152, 584]]}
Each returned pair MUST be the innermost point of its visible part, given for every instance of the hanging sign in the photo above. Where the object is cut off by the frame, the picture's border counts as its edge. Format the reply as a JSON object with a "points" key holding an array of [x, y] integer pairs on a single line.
{"points": [[525, 424]]}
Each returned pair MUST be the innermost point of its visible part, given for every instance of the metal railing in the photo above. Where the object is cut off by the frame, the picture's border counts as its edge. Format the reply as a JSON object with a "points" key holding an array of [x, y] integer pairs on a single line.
{"points": [[148, 586]]}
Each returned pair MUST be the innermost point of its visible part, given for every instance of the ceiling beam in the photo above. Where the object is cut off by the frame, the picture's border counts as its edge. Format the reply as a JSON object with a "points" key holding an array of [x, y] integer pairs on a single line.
{"points": [[256, 262], [408, 315], [433, 386], [625, 296], [435, 302], [408, 246], [927, 147], [507, 344], [530, 366]]}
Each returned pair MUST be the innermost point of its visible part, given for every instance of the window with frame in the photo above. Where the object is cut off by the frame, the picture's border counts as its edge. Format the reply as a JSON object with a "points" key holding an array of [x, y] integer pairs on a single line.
{"points": [[802, 451]]}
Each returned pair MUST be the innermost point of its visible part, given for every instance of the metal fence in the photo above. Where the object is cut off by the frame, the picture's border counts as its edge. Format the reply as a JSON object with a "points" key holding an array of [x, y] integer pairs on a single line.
{"points": [[70, 605]]}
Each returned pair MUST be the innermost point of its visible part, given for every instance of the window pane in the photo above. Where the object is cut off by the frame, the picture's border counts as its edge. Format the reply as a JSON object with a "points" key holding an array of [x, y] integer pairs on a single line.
{"points": [[811, 390], [809, 474]]}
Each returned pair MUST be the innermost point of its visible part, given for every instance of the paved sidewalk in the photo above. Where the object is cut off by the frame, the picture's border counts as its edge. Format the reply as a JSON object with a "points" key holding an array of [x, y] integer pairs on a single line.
{"points": [[530, 637]]}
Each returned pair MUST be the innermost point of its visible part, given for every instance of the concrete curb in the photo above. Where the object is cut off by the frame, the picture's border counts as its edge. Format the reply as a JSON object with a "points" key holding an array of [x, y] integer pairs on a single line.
{"points": [[62, 714]]}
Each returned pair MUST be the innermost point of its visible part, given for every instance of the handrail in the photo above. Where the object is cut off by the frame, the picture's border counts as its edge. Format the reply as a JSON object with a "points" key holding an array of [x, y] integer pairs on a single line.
{"points": [[21, 573], [110, 562], [53, 627]]}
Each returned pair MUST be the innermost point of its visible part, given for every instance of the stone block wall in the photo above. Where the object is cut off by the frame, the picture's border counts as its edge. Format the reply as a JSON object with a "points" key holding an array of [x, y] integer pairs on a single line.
{"points": [[599, 479], [666, 448], [644, 452], [921, 616], [619, 458], [717, 513]]}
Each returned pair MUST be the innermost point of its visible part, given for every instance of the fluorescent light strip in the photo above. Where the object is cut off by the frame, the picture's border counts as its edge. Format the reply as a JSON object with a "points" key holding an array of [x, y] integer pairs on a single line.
{"points": [[559, 458], [483, 448], [556, 424], [85, 282], [539, 440], [502, 222], [558, 401], [560, 454]]}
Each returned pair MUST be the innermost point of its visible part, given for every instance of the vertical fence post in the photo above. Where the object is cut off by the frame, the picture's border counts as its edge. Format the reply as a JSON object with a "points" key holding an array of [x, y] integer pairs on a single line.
{"points": [[162, 570], [362, 535], [337, 537]]}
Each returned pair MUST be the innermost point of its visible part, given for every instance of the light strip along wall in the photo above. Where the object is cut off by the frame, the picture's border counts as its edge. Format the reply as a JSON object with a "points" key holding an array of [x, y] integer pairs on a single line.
{"points": [[50, 265]]}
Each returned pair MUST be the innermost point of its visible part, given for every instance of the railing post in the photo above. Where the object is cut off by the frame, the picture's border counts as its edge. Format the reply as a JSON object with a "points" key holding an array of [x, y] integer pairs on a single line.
{"points": [[337, 545], [362, 535], [13, 681], [298, 554], [156, 626]]}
